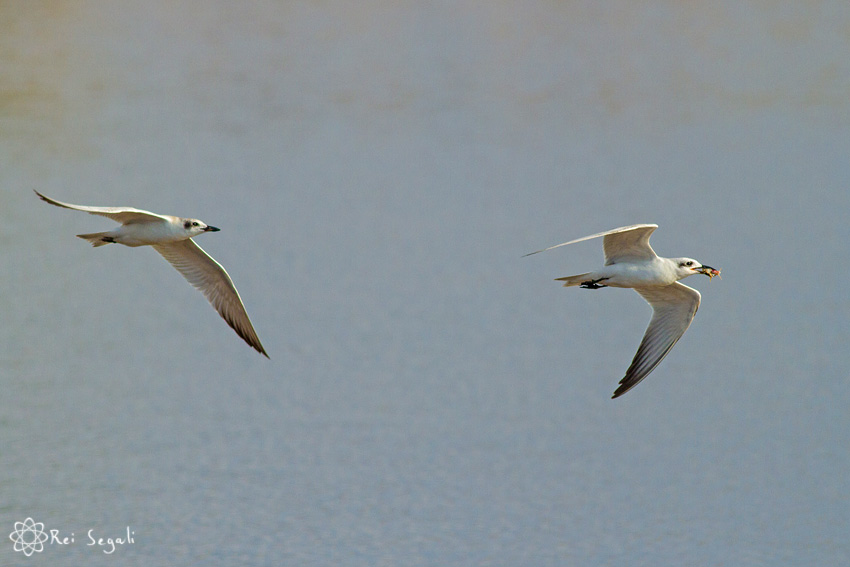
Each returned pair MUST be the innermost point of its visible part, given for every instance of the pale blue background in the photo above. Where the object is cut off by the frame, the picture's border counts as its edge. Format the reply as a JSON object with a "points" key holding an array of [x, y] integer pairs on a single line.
{"points": [[377, 170]]}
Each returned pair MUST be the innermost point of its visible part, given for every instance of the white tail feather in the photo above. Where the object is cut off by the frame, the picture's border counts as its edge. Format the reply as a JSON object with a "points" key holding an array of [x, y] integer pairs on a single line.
{"points": [[570, 281], [97, 238]]}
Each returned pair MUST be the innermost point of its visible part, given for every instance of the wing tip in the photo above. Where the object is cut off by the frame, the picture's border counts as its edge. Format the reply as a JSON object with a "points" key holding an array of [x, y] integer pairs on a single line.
{"points": [[622, 390], [250, 337]]}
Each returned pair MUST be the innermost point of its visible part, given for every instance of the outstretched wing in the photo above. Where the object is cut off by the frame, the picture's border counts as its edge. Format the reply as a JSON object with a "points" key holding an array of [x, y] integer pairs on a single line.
{"points": [[203, 272], [124, 215], [674, 307], [626, 242], [629, 244]]}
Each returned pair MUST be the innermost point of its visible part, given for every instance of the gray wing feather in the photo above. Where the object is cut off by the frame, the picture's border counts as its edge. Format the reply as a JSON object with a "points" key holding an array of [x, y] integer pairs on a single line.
{"points": [[629, 244], [674, 307], [208, 276], [632, 240], [124, 215]]}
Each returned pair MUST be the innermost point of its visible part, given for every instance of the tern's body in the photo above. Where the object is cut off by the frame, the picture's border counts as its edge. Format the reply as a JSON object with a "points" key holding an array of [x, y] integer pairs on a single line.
{"points": [[168, 230], [172, 238], [630, 262], [655, 271]]}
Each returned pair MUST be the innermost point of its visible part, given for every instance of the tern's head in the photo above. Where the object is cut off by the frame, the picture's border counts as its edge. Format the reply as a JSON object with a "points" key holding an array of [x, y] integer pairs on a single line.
{"points": [[688, 266], [195, 227]]}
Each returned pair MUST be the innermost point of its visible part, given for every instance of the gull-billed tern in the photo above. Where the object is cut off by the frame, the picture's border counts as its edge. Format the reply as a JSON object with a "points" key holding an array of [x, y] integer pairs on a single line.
{"points": [[632, 263], [172, 237]]}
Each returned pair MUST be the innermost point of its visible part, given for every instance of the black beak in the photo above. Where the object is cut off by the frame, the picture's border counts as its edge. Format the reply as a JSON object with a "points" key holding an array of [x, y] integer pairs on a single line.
{"points": [[211, 229], [706, 270]]}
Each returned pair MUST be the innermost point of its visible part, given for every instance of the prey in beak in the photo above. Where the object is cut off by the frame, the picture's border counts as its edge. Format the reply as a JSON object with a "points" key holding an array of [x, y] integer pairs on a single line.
{"points": [[708, 271]]}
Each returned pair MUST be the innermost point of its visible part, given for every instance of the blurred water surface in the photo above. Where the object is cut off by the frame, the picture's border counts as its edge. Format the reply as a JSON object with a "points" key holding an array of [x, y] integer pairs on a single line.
{"points": [[432, 398]]}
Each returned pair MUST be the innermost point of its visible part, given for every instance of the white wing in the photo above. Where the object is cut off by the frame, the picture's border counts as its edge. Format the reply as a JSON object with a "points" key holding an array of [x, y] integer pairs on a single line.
{"points": [[626, 242], [124, 215], [674, 307], [203, 272]]}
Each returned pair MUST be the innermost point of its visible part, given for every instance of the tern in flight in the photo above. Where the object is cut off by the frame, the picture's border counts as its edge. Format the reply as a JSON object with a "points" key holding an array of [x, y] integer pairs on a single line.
{"points": [[630, 262], [172, 238]]}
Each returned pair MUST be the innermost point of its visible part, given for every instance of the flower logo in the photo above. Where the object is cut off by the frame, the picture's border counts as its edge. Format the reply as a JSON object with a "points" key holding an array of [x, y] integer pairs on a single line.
{"points": [[29, 536]]}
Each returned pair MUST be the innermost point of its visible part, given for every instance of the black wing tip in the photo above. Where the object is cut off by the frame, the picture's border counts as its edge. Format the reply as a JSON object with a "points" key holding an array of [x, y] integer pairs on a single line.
{"points": [[252, 342], [626, 384], [254, 345], [620, 391]]}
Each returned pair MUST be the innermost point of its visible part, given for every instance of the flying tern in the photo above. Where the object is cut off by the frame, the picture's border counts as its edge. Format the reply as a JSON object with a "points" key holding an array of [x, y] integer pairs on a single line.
{"points": [[172, 238], [630, 262]]}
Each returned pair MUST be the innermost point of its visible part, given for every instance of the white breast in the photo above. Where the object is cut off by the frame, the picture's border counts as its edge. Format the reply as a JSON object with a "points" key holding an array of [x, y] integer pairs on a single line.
{"points": [[658, 271], [148, 233]]}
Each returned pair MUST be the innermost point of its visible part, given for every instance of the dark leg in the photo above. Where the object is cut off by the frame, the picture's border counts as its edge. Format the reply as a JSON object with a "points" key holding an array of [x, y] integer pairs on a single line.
{"points": [[107, 239], [593, 284]]}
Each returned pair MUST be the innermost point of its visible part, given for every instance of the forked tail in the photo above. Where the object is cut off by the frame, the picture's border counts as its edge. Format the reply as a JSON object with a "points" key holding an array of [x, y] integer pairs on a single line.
{"points": [[570, 281], [97, 238]]}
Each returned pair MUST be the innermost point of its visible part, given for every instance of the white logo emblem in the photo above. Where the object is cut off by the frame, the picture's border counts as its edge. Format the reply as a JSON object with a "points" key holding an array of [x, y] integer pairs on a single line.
{"points": [[29, 536]]}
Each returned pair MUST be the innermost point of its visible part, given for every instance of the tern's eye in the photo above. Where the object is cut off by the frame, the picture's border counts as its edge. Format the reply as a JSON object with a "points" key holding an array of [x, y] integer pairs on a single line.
{"points": [[688, 263], [194, 224]]}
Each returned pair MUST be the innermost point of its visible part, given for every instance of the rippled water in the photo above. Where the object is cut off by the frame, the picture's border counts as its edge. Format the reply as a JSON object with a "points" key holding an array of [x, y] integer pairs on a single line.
{"points": [[432, 398]]}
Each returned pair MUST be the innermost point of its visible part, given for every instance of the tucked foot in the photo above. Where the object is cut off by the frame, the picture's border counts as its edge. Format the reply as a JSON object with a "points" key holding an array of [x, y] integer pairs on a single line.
{"points": [[107, 239], [593, 284]]}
